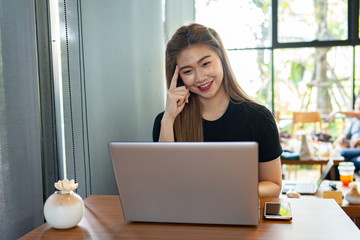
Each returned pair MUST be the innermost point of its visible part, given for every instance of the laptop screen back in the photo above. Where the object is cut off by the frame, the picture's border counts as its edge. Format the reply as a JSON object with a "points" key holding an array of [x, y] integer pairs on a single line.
{"points": [[207, 183], [326, 171]]}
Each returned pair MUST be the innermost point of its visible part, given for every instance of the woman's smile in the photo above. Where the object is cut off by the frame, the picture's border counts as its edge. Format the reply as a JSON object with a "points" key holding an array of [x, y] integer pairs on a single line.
{"points": [[206, 86]]}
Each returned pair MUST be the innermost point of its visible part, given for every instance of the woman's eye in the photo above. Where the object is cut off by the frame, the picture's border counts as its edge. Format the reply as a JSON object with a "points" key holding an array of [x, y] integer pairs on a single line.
{"points": [[187, 72], [206, 64]]}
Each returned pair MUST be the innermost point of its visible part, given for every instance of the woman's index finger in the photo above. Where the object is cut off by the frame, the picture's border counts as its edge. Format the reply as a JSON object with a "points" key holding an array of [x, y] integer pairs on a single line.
{"points": [[174, 78]]}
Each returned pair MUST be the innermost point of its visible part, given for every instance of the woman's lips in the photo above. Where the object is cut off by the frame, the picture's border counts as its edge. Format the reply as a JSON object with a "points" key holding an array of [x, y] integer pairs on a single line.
{"points": [[206, 86]]}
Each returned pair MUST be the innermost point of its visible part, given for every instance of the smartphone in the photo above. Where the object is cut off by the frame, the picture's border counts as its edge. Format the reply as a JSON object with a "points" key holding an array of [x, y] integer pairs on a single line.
{"points": [[277, 211]]}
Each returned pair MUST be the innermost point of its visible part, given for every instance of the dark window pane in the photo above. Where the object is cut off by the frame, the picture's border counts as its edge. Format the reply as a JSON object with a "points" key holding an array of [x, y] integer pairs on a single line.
{"points": [[252, 69], [240, 24], [309, 20]]}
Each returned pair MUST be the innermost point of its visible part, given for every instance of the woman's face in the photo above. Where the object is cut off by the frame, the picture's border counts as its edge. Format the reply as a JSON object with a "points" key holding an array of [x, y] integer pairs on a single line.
{"points": [[201, 70]]}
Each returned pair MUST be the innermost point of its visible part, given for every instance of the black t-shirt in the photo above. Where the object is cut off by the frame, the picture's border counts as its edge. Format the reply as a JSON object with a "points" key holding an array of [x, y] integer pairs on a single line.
{"points": [[241, 122]]}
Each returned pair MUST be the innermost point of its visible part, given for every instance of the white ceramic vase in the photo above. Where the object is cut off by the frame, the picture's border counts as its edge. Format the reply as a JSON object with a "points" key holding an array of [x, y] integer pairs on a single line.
{"points": [[353, 197], [64, 209]]}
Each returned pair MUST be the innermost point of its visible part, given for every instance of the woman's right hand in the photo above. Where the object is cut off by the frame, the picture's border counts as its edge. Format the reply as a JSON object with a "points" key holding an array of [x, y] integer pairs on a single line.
{"points": [[343, 142], [355, 143], [176, 99]]}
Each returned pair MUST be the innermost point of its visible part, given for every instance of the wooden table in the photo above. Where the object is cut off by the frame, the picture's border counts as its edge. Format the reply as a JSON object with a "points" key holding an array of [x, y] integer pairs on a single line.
{"points": [[353, 211], [312, 219], [322, 161]]}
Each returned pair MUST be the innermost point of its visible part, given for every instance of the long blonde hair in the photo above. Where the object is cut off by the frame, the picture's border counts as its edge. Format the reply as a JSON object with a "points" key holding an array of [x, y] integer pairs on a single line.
{"points": [[188, 124]]}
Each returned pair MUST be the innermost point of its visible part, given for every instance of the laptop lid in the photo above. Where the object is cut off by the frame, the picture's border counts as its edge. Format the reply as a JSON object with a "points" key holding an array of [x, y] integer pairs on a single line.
{"points": [[307, 187], [326, 171], [205, 183]]}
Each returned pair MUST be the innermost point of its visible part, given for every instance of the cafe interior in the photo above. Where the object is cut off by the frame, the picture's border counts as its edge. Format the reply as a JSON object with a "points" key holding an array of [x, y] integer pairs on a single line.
{"points": [[76, 75]]}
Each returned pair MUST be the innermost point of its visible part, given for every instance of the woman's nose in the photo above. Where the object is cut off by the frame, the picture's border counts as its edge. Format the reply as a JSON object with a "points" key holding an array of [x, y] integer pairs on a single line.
{"points": [[200, 75]]}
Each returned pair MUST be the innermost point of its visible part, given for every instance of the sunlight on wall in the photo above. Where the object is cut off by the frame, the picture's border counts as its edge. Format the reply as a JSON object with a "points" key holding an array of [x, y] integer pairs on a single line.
{"points": [[56, 57]]}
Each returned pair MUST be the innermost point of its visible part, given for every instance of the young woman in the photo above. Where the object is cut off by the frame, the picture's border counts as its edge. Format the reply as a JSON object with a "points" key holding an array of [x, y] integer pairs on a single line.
{"points": [[205, 103]]}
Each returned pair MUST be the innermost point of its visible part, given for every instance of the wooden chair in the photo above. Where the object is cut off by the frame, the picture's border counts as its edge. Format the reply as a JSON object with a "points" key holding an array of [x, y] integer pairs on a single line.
{"points": [[301, 118], [305, 117]]}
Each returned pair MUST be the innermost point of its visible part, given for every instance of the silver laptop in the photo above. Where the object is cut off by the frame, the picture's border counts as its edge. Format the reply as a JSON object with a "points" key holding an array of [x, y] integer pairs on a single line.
{"points": [[307, 188], [203, 183]]}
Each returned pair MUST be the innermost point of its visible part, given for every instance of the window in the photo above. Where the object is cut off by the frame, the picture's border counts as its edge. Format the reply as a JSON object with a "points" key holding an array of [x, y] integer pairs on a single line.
{"points": [[291, 55], [252, 68], [309, 20], [357, 70], [303, 82], [241, 24]]}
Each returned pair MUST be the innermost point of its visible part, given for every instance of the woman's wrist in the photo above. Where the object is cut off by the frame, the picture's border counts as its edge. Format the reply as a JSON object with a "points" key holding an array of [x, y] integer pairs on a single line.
{"points": [[167, 121], [167, 130]]}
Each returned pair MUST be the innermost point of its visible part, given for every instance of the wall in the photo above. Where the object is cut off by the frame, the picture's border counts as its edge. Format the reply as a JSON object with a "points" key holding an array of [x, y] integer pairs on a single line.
{"points": [[113, 83], [21, 198]]}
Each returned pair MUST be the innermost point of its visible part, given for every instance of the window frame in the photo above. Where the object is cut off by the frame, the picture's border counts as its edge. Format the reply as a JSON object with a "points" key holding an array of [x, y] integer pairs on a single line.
{"points": [[352, 40], [353, 30]]}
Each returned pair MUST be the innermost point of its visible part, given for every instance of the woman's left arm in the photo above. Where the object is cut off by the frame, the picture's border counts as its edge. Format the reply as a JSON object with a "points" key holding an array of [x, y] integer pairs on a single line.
{"points": [[270, 179]]}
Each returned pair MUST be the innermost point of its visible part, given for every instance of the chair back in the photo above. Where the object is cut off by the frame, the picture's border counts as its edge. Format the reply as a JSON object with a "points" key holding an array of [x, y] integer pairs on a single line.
{"points": [[305, 117]]}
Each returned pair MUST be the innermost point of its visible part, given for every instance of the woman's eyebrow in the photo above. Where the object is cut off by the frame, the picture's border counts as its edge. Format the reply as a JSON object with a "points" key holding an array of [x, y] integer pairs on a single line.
{"points": [[199, 61], [203, 58]]}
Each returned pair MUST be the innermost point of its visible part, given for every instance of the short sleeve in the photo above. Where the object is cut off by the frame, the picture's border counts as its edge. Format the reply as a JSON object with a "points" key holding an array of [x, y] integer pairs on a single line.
{"points": [[268, 137], [157, 126]]}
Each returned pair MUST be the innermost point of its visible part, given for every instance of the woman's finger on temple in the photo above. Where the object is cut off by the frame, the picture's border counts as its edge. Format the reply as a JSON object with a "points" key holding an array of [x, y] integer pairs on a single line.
{"points": [[174, 78]]}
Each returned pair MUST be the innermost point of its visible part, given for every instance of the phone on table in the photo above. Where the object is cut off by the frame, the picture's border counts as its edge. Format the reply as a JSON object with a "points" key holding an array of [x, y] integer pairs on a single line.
{"points": [[277, 211]]}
